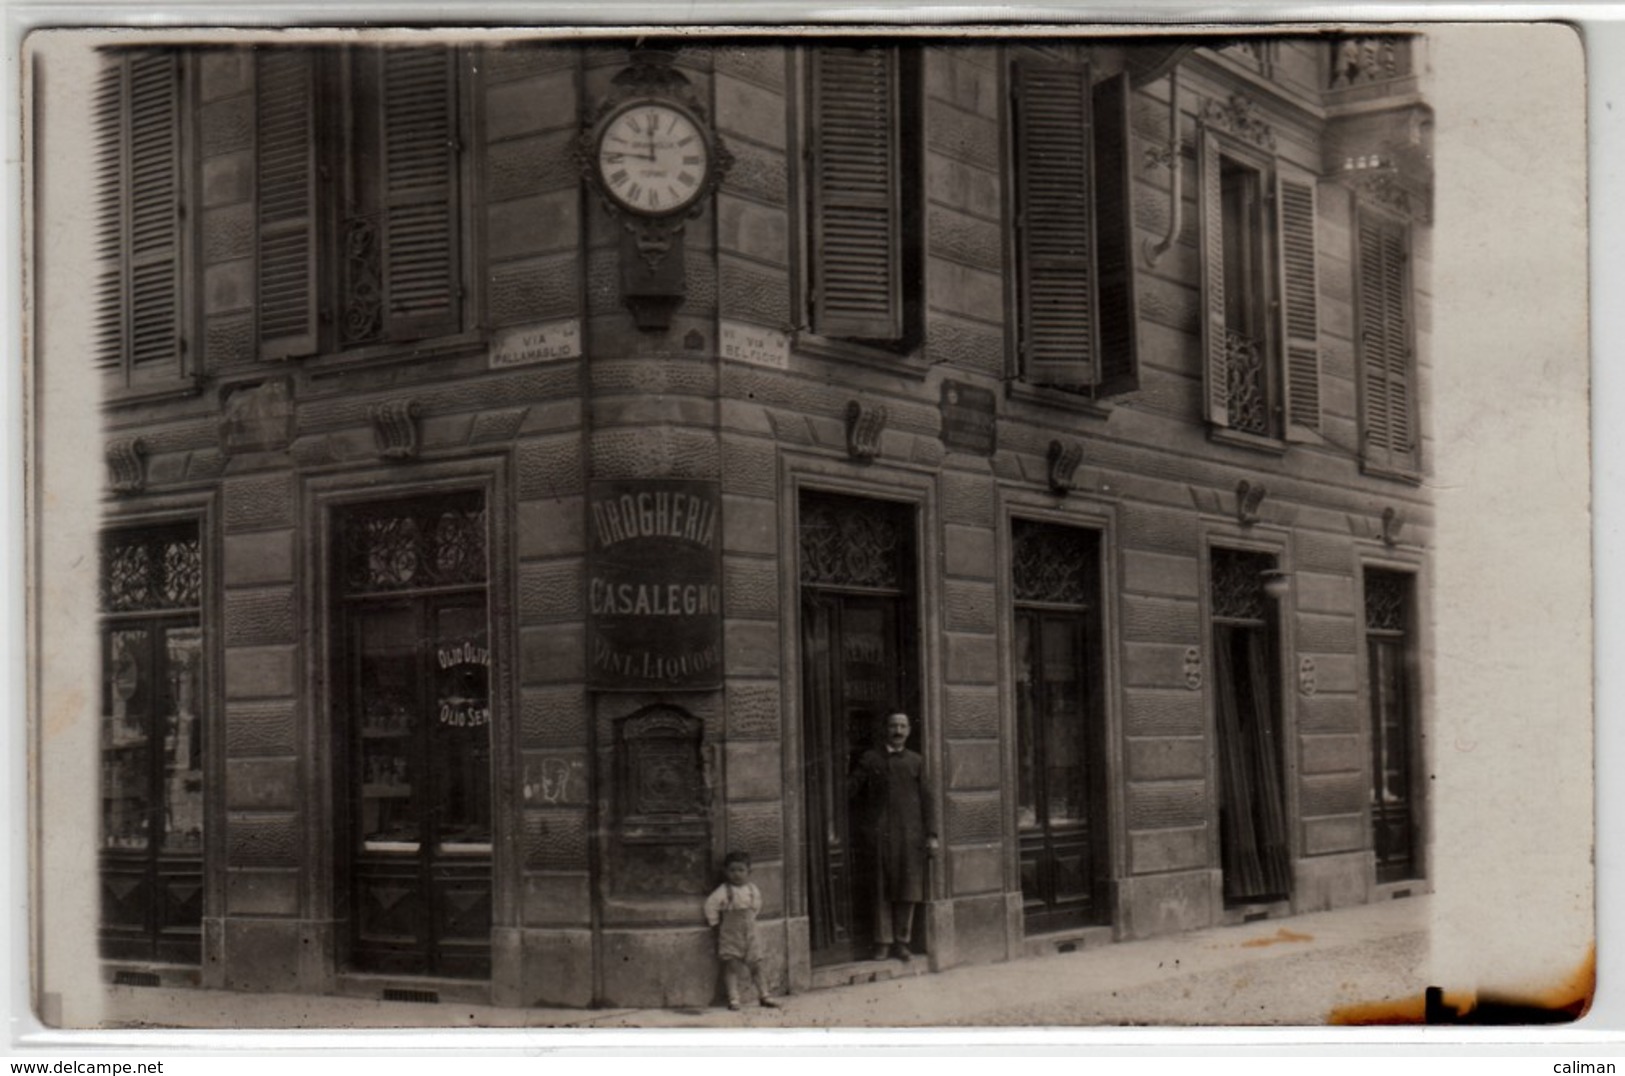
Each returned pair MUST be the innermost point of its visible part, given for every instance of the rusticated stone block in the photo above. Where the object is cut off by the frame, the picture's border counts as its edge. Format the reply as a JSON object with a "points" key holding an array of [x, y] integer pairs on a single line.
{"points": [[757, 828], [551, 528], [1332, 554], [754, 771], [1160, 574], [262, 893], [228, 286], [974, 817], [1161, 530], [749, 466], [531, 165], [1160, 620], [550, 467], [666, 373], [260, 672], [763, 65], [261, 728], [964, 344], [511, 60], [751, 647], [228, 180], [963, 136], [754, 230], [967, 499], [1346, 833], [969, 606], [1166, 303], [968, 552], [556, 839], [497, 425], [972, 659], [224, 72], [553, 654], [258, 617], [527, 105], [972, 293], [1325, 634], [560, 900], [1339, 794], [228, 340], [534, 290], [537, 224], [655, 452], [976, 869], [752, 293], [750, 588], [974, 765], [949, 77], [1333, 754], [749, 525], [972, 712], [1329, 713], [753, 710], [962, 186], [1167, 805], [748, 111], [553, 716], [550, 591], [967, 240], [258, 503], [226, 125], [1164, 712], [758, 173], [228, 233], [263, 840], [1162, 850], [262, 784], [1167, 759]]}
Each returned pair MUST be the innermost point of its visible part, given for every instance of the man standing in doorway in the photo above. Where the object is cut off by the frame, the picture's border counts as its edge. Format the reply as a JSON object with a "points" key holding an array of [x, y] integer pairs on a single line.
{"points": [[898, 821]]}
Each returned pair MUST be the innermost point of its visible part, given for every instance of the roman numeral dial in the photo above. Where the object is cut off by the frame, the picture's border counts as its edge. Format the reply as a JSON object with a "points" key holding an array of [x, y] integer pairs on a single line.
{"points": [[653, 159]]}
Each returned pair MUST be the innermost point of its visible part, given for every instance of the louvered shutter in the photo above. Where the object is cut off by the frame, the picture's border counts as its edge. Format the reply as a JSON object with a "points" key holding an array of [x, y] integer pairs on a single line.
{"points": [[1385, 348], [1114, 239], [418, 122], [1054, 225], [139, 323], [1216, 362], [1300, 302], [856, 197], [287, 203]]}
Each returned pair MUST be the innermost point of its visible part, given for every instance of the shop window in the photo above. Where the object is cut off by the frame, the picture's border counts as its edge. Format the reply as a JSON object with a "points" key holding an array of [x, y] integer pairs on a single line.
{"points": [[1261, 323], [1076, 315], [152, 730], [1390, 660], [141, 118], [361, 208], [1060, 726], [1254, 838], [863, 248], [1387, 356]]}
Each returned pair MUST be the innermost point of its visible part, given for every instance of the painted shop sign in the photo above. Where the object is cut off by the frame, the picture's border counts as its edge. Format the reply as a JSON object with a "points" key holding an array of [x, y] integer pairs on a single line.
{"points": [[969, 423], [654, 587], [536, 343]]}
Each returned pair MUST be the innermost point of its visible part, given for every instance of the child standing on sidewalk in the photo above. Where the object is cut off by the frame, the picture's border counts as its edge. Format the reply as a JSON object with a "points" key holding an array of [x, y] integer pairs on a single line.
{"points": [[731, 911]]}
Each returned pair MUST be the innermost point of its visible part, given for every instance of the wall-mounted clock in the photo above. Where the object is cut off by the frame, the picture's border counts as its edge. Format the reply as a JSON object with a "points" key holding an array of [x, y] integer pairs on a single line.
{"points": [[652, 157]]}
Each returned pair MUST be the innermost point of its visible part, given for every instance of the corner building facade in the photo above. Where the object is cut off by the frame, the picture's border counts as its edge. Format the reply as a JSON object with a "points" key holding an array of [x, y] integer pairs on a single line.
{"points": [[488, 553]]}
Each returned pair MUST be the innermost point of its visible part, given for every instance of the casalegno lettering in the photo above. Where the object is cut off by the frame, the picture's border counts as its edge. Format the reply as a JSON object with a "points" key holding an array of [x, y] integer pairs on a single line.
{"points": [[655, 515], [654, 599]]}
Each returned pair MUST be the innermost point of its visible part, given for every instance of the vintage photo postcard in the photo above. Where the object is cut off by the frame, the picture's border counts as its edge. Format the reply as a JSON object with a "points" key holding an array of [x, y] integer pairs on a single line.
{"points": [[1054, 526]]}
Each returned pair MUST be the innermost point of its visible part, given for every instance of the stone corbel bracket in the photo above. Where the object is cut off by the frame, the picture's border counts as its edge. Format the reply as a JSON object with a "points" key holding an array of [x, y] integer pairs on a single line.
{"points": [[1064, 457], [395, 428], [864, 425], [1393, 522], [127, 465], [1249, 499]]}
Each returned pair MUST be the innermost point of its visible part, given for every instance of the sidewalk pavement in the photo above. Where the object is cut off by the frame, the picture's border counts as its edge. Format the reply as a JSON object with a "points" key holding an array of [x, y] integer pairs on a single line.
{"points": [[1292, 971]]}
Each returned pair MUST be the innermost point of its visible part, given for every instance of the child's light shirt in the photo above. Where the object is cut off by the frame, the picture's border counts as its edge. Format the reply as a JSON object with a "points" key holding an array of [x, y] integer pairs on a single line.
{"points": [[732, 898]]}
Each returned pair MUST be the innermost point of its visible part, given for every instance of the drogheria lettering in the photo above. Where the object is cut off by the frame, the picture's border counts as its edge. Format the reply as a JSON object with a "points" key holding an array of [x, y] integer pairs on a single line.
{"points": [[668, 599], [655, 515]]}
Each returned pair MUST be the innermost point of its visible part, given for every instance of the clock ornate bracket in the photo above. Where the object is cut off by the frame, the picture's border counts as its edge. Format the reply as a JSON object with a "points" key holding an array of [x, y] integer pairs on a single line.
{"points": [[653, 282]]}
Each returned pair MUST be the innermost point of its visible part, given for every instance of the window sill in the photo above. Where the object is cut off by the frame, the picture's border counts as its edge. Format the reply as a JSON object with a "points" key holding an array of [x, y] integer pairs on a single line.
{"points": [[153, 392], [360, 358], [1060, 399], [1395, 474], [906, 363], [1269, 445]]}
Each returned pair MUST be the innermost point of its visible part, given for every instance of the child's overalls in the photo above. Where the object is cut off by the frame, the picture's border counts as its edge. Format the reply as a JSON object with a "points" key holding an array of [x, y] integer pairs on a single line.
{"points": [[736, 933]]}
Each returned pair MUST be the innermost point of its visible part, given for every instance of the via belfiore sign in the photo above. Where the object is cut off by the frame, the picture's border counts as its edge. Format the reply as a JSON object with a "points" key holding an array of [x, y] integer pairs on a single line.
{"points": [[654, 588]]}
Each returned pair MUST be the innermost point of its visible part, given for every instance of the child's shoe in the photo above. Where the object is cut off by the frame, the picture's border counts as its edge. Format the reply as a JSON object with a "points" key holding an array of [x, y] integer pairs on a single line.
{"points": [[733, 1003], [769, 1003]]}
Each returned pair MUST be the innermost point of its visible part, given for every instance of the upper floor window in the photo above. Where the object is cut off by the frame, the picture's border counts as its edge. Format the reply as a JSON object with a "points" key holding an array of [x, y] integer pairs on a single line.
{"points": [[1261, 323], [143, 193], [1075, 309], [863, 252], [1388, 435], [361, 215]]}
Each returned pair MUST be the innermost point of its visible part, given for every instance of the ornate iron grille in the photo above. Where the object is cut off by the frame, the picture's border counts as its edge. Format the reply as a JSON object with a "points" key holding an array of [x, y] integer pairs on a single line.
{"points": [[1386, 600], [151, 570], [363, 281], [1051, 563], [1246, 391], [852, 543], [1238, 584], [410, 546]]}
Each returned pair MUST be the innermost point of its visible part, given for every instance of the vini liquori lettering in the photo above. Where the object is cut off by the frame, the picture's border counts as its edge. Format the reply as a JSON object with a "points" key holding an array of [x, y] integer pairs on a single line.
{"points": [[654, 590]]}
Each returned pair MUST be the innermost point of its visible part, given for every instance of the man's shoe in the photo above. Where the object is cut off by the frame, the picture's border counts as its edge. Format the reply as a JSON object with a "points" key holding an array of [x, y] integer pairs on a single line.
{"points": [[734, 1005], [881, 953], [900, 951], [769, 1003]]}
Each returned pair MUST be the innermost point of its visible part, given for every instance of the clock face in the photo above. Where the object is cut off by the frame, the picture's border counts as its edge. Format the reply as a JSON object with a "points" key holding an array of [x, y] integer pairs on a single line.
{"points": [[652, 159]]}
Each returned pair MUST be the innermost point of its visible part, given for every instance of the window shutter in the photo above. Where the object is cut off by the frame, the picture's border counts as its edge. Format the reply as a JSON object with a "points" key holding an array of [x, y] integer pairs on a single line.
{"points": [[155, 216], [422, 274], [856, 210], [1300, 306], [1114, 239], [1054, 226], [287, 203], [1216, 364], [1385, 350], [111, 130]]}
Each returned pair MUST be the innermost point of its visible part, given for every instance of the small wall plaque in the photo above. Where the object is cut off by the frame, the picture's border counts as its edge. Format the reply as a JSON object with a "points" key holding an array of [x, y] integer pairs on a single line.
{"points": [[258, 418], [739, 342], [546, 342], [969, 421]]}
